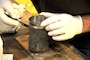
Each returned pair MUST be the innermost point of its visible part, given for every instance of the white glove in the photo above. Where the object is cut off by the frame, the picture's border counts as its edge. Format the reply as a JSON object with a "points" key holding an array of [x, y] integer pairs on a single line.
{"points": [[6, 5], [62, 26], [8, 25], [13, 10]]}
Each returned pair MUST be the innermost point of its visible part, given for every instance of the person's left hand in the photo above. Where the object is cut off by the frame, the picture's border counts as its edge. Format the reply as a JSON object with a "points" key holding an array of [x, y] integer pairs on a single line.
{"points": [[11, 8], [6, 5], [62, 26]]}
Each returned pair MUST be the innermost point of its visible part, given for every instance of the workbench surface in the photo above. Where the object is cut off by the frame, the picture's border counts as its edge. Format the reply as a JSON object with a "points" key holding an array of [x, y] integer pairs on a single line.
{"points": [[18, 49]]}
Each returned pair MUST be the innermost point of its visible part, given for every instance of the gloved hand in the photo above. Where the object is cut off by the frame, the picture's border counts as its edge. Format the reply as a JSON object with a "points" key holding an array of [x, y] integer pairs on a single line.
{"points": [[6, 5], [8, 25], [62, 26], [9, 8]]}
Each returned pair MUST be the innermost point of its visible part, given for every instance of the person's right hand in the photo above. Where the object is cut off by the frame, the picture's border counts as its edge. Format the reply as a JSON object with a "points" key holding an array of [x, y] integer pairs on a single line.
{"points": [[11, 8], [7, 24], [6, 5]]}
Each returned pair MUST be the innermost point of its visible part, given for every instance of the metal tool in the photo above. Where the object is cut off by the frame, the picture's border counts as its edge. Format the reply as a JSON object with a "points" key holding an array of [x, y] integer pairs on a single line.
{"points": [[24, 24]]}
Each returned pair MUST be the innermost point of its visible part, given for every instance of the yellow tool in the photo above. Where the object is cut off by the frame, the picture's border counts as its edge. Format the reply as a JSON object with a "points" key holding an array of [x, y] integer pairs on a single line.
{"points": [[29, 6]]}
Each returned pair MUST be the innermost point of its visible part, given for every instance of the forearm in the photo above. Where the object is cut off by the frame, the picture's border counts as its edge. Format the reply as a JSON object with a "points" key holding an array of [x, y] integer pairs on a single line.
{"points": [[86, 23]]}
